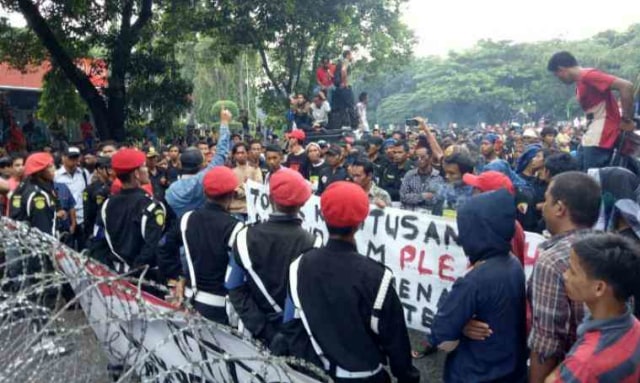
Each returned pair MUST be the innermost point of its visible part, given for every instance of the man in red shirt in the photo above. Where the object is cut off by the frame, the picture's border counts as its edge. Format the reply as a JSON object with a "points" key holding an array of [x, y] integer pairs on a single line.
{"points": [[593, 90], [324, 74]]}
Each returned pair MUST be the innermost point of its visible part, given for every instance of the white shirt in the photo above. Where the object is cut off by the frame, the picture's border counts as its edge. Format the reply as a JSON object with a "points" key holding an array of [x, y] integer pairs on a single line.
{"points": [[362, 115], [77, 183], [320, 114]]}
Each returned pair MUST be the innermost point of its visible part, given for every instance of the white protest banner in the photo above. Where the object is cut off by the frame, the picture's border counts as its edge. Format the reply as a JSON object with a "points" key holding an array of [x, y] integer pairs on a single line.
{"points": [[420, 249]]}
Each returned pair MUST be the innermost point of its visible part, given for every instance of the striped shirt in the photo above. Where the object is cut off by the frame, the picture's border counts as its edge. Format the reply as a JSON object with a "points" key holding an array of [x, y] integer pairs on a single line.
{"points": [[555, 316], [606, 351]]}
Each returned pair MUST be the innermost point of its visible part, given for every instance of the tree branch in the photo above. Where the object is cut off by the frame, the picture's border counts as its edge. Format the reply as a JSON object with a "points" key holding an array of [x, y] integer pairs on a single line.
{"points": [[80, 80], [269, 73], [143, 19]]}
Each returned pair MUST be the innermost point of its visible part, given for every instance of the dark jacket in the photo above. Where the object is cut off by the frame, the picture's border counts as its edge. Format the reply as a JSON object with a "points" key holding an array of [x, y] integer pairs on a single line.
{"points": [[493, 291], [93, 197], [133, 225], [271, 247], [330, 175], [391, 178], [35, 203], [208, 232], [337, 288]]}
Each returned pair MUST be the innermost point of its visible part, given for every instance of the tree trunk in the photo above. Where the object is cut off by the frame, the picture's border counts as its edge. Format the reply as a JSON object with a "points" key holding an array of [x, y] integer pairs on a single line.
{"points": [[80, 80]]}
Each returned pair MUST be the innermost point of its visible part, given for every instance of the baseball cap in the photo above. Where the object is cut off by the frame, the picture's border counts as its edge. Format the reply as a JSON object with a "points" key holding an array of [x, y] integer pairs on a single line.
{"points": [[72, 151], [489, 181]]}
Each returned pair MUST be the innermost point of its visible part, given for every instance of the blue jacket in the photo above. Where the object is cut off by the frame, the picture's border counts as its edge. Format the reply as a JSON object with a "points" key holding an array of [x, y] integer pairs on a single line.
{"points": [[492, 292], [188, 194]]}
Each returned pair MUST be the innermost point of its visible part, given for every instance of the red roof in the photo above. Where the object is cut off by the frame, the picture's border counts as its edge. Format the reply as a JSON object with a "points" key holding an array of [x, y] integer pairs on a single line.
{"points": [[31, 79]]}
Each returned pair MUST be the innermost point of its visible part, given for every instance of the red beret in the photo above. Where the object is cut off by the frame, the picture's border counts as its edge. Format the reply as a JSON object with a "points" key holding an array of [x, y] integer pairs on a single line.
{"points": [[127, 160], [219, 181], [344, 204], [298, 133], [288, 188], [489, 181], [37, 162]]}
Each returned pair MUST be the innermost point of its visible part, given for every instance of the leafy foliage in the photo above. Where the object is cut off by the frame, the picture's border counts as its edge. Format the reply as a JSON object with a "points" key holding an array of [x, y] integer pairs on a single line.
{"points": [[496, 81], [292, 36], [59, 99]]}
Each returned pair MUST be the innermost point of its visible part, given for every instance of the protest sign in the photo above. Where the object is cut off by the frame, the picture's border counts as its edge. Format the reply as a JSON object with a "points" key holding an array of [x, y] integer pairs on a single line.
{"points": [[422, 250]]}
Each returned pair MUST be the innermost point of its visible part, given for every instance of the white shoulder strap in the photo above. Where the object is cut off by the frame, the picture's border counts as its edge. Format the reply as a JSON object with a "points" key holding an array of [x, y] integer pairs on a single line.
{"points": [[318, 242], [234, 234], [29, 199], [387, 277], [293, 283], [145, 217], [184, 221], [103, 215], [243, 252]]}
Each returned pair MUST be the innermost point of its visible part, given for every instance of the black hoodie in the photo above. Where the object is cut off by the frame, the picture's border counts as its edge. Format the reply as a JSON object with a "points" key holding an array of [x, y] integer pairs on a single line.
{"points": [[492, 292]]}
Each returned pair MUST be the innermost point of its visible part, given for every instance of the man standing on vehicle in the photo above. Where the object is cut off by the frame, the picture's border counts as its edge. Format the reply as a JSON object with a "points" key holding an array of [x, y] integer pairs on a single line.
{"points": [[604, 120]]}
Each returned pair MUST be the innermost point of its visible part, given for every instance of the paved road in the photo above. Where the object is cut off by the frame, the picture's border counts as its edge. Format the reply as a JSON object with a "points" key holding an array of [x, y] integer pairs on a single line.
{"points": [[88, 362]]}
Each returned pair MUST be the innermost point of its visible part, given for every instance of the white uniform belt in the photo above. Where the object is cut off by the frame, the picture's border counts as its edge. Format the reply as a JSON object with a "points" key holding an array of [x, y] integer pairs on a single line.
{"points": [[206, 298], [344, 374]]}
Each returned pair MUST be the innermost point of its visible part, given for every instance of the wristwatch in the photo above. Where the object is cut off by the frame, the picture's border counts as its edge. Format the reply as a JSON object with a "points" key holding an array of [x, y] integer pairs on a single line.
{"points": [[627, 119]]}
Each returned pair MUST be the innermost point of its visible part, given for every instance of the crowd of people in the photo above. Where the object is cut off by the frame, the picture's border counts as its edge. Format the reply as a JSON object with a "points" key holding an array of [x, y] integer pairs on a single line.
{"points": [[179, 215]]}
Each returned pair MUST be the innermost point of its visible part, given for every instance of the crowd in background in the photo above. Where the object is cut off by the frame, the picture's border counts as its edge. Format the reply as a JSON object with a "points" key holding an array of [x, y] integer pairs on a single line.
{"points": [[573, 319]]}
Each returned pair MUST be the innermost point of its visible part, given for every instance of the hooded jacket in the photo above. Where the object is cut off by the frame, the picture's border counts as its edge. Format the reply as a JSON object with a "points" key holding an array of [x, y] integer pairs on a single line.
{"points": [[188, 194], [492, 291]]}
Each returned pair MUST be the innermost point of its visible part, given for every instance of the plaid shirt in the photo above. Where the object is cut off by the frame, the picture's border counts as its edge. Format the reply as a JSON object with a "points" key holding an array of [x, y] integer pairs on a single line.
{"points": [[415, 185], [555, 317]]}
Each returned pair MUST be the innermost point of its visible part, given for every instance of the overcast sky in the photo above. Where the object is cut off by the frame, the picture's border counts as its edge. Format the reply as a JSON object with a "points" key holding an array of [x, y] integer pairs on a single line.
{"points": [[443, 25]]}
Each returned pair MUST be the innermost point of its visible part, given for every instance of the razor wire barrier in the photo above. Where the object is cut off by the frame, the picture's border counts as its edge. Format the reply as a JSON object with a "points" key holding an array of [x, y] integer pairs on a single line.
{"points": [[65, 317]]}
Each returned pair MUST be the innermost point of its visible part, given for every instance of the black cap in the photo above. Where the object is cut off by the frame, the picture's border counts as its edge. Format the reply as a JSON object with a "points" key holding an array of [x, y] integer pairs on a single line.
{"points": [[323, 144], [5, 161], [191, 160], [334, 150]]}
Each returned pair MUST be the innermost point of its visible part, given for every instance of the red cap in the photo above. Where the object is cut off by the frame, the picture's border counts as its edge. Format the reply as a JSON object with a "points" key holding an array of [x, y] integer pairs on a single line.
{"points": [[288, 188], [298, 133], [489, 181], [127, 160], [37, 162], [219, 181], [344, 204]]}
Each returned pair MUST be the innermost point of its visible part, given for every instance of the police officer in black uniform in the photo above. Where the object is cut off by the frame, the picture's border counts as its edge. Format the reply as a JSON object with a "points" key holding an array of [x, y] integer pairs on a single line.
{"points": [[96, 193], [394, 172], [207, 234], [131, 221], [336, 171], [346, 303], [259, 273], [34, 201]]}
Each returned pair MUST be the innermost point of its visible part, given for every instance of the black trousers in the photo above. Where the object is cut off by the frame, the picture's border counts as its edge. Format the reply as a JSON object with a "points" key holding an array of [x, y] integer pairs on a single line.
{"points": [[213, 313]]}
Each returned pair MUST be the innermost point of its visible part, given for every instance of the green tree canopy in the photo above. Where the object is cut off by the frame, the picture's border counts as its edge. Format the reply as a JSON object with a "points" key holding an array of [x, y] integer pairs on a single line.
{"points": [[496, 80]]}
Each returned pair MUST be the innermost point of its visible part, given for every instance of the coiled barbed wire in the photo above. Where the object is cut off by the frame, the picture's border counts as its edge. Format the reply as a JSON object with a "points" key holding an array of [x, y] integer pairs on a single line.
{"points": [[67, 318]]}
